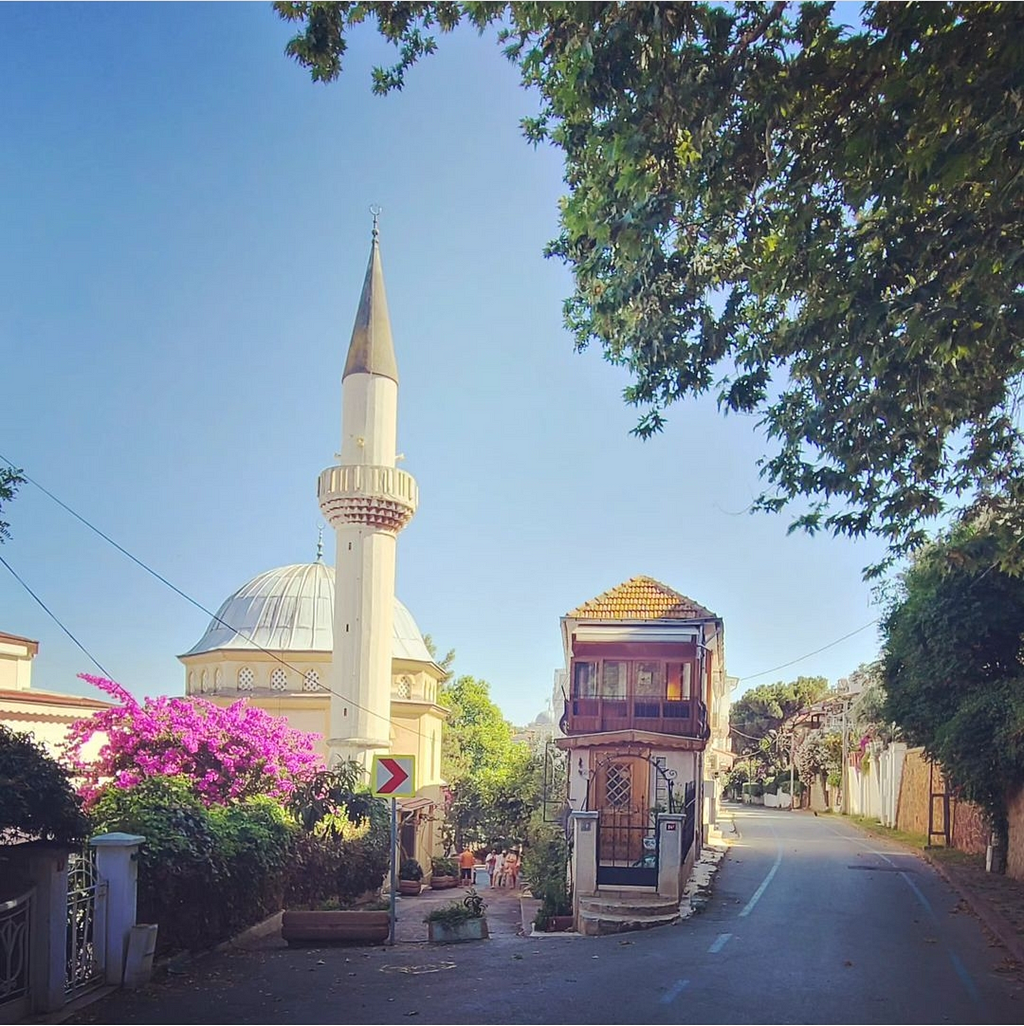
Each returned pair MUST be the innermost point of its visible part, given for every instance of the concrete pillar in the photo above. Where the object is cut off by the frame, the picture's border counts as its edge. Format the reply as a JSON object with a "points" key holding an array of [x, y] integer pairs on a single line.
{"points": [[117, 864], [584, 855], [670, 854], [47, 869]]}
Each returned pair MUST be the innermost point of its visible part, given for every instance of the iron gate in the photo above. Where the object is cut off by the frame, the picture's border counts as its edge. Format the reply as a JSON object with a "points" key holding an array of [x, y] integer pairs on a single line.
{"points": [[690, 812], [627, 848], [87, 896]]}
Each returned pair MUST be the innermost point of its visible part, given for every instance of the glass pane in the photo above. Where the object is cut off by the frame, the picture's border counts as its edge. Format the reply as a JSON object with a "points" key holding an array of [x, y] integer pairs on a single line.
{"points": [[613, 680], [584, 681], [680, 686], [650, 680], [618, 785]]}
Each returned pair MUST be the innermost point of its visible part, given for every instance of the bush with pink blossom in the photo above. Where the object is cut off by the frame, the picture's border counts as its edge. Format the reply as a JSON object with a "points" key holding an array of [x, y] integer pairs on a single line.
{"points": [[227, 754]]}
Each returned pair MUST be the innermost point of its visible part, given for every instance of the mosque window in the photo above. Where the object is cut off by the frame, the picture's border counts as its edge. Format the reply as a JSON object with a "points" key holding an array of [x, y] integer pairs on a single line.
{"points": [[204, 682], [218, 680], [246, 679], [279, 679], [311, 682], [405, 688], [191, 681]]}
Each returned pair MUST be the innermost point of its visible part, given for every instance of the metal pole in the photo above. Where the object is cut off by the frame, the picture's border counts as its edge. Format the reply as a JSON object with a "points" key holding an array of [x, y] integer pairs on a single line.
{"points": [[792, 771], [394, 869]]}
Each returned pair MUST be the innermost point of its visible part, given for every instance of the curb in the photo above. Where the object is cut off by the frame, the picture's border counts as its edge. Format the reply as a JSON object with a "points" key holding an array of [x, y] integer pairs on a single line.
{"points": [[990, 918]]}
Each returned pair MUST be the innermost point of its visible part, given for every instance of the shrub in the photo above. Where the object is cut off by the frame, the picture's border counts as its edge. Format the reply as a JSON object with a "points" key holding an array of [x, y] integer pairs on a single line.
{"points": [[204, 873], [410, 870], [444, 867], [37, 801], [545, 866]]}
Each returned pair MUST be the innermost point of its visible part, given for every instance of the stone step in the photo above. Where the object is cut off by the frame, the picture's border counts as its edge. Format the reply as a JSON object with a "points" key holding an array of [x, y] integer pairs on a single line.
{"points": [[614, 906], [596, 925]]}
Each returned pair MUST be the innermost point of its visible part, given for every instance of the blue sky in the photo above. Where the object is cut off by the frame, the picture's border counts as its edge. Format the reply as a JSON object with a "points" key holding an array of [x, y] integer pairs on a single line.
{"points": [[185, 229]]}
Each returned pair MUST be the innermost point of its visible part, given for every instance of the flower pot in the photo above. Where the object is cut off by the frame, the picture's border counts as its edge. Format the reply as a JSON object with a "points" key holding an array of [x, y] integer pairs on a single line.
{"points": [[560, 924], [459, 933], [442, 883], [350, 926], [409, 887]]}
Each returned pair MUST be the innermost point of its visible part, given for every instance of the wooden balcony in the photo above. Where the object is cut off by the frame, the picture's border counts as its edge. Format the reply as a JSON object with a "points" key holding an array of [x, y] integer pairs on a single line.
{"points": [[683, 718]]}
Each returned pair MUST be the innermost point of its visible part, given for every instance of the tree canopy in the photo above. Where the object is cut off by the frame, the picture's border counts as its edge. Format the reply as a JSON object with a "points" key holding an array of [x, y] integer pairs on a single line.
{"points": [[769, 706], [821, 224], [952, 667]]}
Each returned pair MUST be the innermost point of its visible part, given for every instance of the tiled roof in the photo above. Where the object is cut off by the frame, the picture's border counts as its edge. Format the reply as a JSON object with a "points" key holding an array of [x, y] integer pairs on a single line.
{"points": [[640, 598]]}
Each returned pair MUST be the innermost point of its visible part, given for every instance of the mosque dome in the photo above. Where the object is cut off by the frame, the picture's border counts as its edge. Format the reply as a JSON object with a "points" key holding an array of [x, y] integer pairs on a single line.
{"points": [[291, 609]]}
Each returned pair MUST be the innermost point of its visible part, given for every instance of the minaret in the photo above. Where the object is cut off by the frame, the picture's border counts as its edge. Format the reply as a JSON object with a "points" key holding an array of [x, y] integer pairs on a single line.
{"points": [[367, 501]]}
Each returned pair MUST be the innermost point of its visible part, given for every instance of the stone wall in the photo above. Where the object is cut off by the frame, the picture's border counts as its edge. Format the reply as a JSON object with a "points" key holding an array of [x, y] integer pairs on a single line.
{"points": [[1015, 848], [968, 823]]}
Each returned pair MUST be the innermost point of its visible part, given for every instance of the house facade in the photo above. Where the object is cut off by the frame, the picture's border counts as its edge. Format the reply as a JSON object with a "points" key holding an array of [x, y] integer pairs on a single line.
{"points": [[645, 680]]}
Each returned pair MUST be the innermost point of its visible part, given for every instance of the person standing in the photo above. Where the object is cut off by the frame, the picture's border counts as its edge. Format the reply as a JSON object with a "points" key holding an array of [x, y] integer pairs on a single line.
{"points": [[466, 862], [492, 857], [512, 868], [498, 876]]}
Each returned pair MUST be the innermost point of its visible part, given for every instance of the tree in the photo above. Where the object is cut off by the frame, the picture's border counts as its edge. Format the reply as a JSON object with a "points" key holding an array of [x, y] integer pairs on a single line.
{"points": [[231, 753], [37, 800], [768, 707], [10, 479], [952, 666], [868, 713], [492, 779], [820, 754], [822, 225]]}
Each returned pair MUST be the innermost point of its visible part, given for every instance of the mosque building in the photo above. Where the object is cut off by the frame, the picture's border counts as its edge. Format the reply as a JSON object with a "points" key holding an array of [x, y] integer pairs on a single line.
{"points": [[332, 649]]}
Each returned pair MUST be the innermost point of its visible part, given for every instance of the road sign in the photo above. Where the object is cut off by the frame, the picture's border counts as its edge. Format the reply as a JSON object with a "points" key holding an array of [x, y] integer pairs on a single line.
{"points": [[394, 776]]}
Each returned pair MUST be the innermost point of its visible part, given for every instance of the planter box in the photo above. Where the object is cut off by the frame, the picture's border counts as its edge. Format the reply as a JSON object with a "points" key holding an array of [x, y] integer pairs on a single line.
{"points": [[409, 887], [350, 926], [470, 930], [442, 883]]}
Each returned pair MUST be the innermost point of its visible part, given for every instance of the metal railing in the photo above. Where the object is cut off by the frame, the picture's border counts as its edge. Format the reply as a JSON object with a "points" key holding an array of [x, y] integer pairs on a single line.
{"points": [[15, 927]]}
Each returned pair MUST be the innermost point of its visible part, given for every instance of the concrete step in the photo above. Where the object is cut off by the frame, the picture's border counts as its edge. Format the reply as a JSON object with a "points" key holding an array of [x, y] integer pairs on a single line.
{"points": [[629, 906], [599, 924]]}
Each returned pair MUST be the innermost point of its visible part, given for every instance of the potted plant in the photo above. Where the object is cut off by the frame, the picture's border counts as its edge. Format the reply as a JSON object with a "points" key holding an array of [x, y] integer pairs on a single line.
{"points": [[458, 921], [338, 862], [410, 873], [444, 873]]}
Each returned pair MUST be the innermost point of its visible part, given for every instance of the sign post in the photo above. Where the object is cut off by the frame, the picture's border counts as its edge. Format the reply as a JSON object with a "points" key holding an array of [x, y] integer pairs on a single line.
{"points": [[394, 777]]}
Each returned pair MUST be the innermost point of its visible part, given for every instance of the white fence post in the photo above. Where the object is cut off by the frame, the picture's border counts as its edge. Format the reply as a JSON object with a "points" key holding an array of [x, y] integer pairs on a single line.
{"points": [[670, 854], [117, 864], [584, 857]]}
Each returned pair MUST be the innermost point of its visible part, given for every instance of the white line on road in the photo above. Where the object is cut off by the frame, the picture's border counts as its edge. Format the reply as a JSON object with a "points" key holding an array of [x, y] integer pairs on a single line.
{"points": [[723, 939], [749, 907], [674, 991]]}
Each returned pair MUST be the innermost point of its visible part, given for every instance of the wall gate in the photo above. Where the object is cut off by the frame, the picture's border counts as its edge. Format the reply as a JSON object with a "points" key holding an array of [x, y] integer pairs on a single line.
{"points": [[87, 895]]}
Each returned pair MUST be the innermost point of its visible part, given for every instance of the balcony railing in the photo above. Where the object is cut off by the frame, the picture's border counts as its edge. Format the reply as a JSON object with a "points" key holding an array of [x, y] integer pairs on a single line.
{"points": [[683, 718]]}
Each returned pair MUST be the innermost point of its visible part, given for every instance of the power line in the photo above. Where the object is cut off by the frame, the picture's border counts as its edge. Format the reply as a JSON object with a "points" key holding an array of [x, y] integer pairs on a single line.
{"points": [[53, 616], [808, 655], [188, 598]]}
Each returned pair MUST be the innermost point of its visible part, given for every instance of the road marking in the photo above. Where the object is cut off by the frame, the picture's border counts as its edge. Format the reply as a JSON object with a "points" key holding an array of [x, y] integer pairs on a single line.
{"points": [[674, 991], [749, 907], [965, 977], [723, 939]]}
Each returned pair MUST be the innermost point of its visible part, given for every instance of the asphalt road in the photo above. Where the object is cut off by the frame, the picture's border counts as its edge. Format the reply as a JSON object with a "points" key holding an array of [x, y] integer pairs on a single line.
{"points": [[811, 922]]}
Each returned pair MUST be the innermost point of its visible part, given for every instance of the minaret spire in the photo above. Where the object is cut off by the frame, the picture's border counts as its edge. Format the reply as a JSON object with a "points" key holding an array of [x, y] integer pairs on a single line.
{"points": [[371, 350]]}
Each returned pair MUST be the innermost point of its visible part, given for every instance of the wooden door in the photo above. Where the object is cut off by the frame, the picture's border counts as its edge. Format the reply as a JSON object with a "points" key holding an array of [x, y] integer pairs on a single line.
{"points": [[623, 803]]}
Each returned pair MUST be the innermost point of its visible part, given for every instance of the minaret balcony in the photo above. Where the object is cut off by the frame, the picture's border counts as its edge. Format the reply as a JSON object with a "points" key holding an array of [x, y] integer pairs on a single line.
{"points": [[381, 497]]}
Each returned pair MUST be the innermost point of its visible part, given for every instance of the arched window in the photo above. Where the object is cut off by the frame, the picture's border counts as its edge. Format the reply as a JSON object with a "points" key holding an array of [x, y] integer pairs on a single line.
{"points": [[246, 679], [191, 681], [218, 680], [311, 682], [204, 682], [279, 679]]}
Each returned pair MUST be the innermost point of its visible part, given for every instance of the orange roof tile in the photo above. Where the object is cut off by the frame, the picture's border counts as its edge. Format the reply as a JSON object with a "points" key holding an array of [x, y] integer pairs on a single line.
{"points": [[640, 598]]}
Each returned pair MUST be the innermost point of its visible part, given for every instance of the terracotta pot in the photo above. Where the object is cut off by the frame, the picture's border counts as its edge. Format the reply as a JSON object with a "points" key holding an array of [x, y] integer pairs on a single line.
{"points": [[409, 887], [468, 930], [349, 926], [442, 883]]}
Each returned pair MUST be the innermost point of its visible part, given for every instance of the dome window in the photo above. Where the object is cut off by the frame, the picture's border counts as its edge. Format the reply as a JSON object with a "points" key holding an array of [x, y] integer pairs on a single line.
{"points": [[279, 680], [246, 679], [311, 682]]}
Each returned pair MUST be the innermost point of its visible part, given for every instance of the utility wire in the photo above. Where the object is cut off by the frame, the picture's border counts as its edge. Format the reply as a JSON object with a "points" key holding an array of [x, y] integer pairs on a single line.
{"points": [[808, 655], [53, 616], [188, 598]]}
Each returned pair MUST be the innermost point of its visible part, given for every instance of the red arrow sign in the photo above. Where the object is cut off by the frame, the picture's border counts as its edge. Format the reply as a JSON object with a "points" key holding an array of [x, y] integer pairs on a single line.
{"points": [[398, 776]]}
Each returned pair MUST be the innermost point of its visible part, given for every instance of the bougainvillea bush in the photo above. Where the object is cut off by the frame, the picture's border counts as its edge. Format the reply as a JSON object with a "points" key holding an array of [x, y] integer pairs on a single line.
{"points": [[233, 753]]}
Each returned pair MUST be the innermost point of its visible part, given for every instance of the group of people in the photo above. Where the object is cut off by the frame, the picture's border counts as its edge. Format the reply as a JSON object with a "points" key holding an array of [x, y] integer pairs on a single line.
{"points": [[502, 867]]}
